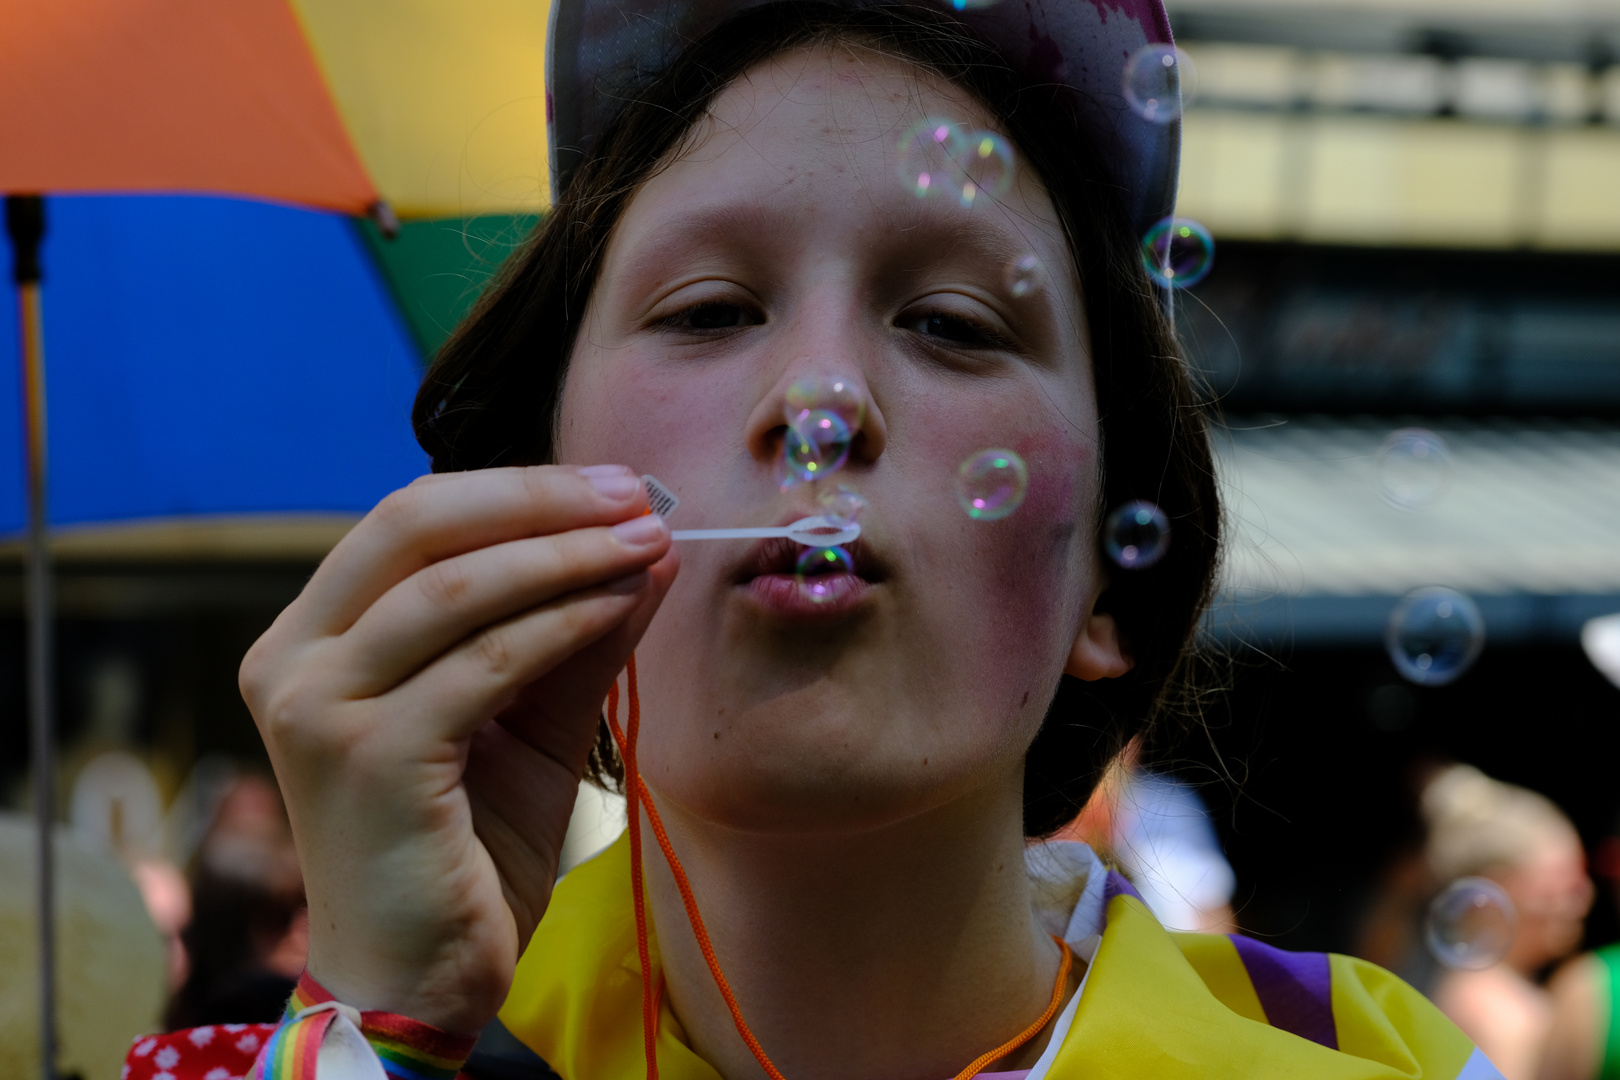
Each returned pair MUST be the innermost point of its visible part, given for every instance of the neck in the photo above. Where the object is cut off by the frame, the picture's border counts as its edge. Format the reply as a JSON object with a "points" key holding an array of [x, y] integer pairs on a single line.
{"points": [[901, 953]]}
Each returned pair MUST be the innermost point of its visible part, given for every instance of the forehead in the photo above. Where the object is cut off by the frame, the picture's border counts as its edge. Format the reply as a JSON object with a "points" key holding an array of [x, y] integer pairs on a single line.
{"points": [[808, 141]]}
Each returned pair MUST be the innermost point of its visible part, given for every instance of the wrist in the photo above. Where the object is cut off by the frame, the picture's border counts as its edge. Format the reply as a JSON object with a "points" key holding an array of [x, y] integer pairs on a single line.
{"points": [[419, 997], [408, 1048]]}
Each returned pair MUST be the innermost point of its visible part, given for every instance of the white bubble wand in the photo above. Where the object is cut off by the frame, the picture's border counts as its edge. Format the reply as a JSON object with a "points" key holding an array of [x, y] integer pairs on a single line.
{"points": [[817, 531]]}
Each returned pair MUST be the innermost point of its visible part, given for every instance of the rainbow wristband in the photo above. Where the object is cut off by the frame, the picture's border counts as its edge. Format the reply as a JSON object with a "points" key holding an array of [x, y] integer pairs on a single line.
{"points": [[408, 1049]]}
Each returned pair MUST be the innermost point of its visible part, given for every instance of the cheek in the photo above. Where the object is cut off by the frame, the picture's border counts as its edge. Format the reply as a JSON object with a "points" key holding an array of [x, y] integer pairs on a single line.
{"points": [[1023, 580], [622, 412]]}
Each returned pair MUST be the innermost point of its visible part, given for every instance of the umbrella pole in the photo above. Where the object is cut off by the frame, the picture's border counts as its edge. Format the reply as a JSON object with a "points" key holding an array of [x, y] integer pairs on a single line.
{"points": [[25, 222]]}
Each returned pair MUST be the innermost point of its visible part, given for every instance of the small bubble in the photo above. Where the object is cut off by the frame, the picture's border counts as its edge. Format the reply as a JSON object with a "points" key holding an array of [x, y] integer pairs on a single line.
{"points": [[1470, 924], [1160, 82], [815, 446], [1136, 535], [843, 505], [991, 484], [1023, 275], [1414, 468], [1178, 252], [988, 166], [817, 568], [1434, 635], [928, 153]]}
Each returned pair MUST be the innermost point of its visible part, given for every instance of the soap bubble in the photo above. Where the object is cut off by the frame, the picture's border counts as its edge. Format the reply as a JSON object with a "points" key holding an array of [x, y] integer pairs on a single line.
{"points": [[1178, 252], [971, 5], [1470, 924], [929, 153], [1414, 468], [1160, 82], [1434, 635], [816, 568], [987, 166], [843, 505], [991, 484], [815, 446], [1136, 535], [1023, 275], [837, 394]]}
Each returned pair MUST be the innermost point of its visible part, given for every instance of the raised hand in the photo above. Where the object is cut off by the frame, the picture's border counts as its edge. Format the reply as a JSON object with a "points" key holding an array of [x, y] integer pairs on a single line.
{"points": [[429, 702]]}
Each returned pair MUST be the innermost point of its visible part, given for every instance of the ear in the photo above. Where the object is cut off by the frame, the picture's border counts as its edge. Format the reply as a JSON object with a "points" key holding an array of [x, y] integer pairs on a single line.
{"points": [[1098, 652]]}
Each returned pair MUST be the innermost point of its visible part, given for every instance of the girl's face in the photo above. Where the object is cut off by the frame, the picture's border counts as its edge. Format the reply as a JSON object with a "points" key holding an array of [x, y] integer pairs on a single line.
{"points": [[780, 244]]}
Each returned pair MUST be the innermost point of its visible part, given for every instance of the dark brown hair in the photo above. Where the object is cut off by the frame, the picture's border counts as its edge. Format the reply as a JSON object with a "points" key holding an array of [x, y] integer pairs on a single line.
{"points": [[491, 396]]}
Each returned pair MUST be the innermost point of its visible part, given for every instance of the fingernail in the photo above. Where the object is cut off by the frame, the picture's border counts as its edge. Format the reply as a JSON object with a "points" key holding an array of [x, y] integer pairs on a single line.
{"points": [[605, 470], [617, 487], [641, 531], [630, 583]]}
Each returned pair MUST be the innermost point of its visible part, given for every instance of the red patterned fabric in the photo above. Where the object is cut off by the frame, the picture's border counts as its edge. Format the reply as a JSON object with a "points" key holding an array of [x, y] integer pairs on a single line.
{"points": [[217, 1052]]}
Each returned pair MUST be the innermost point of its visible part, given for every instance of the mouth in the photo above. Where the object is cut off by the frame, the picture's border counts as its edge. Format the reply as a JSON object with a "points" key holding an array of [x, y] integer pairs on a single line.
{"points": [[773, 575]]}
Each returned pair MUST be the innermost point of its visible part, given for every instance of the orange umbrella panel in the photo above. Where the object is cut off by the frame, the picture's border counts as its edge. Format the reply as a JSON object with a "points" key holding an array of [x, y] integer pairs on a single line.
{"points": [[170, 95]]}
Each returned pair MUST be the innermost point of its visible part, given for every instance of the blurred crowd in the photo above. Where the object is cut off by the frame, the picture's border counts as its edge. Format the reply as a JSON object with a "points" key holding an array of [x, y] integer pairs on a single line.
{"points": [[216, 874]]}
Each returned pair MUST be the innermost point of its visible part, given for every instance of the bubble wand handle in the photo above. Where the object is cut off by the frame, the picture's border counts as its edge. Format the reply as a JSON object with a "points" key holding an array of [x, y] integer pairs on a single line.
{"points": [[763, 533]]}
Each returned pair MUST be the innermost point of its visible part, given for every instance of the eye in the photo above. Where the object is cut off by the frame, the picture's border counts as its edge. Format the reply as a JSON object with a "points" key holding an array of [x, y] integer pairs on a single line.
{"points": [[712, 315], [953, 329]]}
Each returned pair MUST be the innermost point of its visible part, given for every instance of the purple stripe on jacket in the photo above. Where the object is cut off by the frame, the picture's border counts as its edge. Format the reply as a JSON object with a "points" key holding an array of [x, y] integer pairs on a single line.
{"points": [[1116, 884], [1295, 989]]}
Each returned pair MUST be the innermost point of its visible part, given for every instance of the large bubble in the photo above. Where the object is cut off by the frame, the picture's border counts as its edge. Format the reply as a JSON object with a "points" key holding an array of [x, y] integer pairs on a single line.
{"points": [[1159, 82], [815, 446], [819, 570], [1136, 535], [991, 484], [1178, 252], [1414, 468], [1434, 635], [1470, 924], [988, 165], [842, 505], [928, 156]]}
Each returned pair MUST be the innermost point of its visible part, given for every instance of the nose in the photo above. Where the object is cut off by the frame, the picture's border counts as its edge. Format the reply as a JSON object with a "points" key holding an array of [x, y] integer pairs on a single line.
{"points": [[826, 378]]}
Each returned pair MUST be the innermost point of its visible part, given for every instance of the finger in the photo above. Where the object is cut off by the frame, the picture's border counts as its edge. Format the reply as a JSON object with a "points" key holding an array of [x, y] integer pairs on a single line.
{"points": [[444, 603], [443, 516], [521, 803], [465, 687], [558, 713]]}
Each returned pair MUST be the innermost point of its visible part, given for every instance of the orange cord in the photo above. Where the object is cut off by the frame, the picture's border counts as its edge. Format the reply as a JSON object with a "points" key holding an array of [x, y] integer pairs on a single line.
{"points": [[650, 994]]}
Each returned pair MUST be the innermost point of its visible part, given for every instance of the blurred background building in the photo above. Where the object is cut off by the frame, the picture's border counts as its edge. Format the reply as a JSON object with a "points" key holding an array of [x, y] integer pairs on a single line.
{"points": [[1416, 207]]}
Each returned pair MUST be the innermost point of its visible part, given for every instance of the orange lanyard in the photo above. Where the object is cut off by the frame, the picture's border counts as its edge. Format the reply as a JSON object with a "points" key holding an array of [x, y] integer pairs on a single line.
{"points": [[626, 740]]}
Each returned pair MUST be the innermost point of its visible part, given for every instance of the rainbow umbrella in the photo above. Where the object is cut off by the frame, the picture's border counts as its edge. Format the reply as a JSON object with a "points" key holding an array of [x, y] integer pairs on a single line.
{"points": [[236, 229]]}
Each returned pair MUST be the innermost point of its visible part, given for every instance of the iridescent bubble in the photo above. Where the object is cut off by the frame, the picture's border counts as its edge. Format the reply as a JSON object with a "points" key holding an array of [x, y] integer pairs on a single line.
{"points": [[991, 484], [929, 152], [842, 505], [1160, 82], [1434, 635], [1178, 252], [1023, 275], [1136, 535], [815, 446], [1414, 468], [817, 567], [1470, 924], [837, 394], [987, 166]]}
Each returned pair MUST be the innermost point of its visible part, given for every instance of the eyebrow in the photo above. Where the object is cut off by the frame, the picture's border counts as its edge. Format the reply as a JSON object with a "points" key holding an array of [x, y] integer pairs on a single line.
{"points": [[971, 235]]}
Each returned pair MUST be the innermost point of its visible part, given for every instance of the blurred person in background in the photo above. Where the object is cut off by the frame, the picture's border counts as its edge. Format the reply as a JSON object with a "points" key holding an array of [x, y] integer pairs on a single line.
{"points": [[1157, 828], [1480, 827], [247, 938], [1584, 1040]]}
